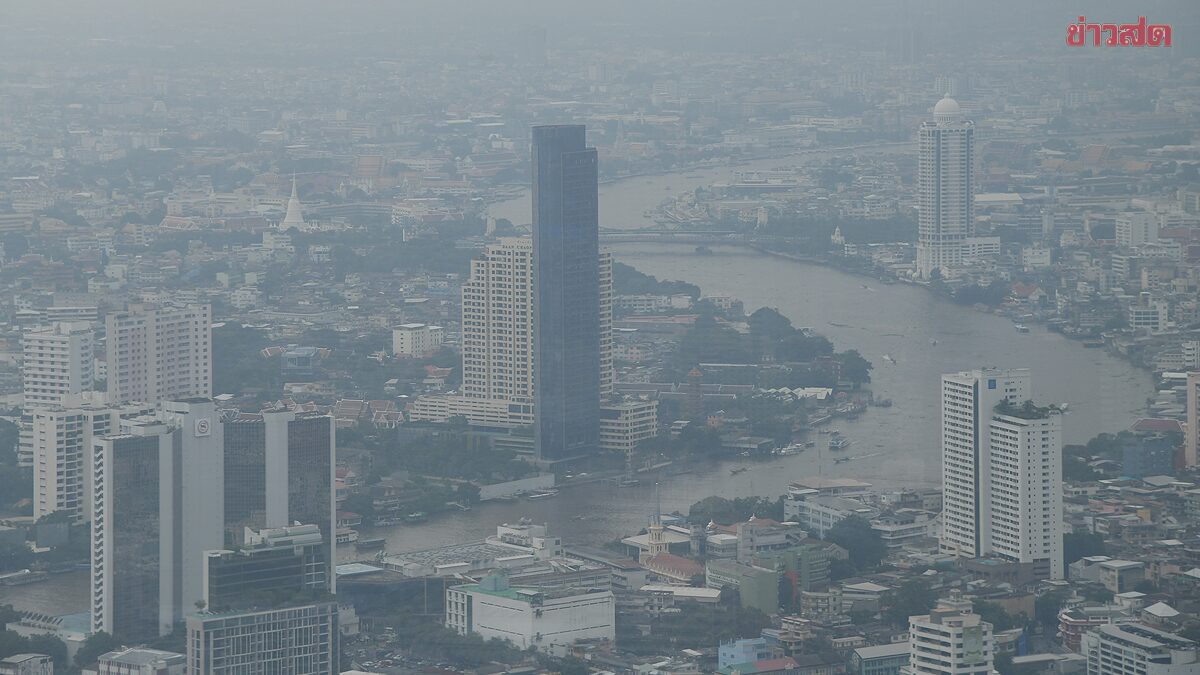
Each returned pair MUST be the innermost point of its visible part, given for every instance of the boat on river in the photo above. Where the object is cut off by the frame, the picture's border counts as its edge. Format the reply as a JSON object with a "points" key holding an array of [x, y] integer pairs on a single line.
{"points": [[547, 494]]}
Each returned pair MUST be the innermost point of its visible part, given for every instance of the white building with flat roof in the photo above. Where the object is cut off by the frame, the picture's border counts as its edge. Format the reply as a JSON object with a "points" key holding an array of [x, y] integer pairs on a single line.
{"points": [[159, 353], [528, 617], [950, 640], [1026, 496], [57, 362], [968, 399], [1134, 649], [416, 339]]}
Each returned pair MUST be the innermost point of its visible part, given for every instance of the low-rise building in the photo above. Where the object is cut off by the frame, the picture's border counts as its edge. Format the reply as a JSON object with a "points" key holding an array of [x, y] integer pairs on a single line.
{"points": [[879, 659], [141, 661], [27, 664], [1132, 649], [529, 617], [416, 339]]}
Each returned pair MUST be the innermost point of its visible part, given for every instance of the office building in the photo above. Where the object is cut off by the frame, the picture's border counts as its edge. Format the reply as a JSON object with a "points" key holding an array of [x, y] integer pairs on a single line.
{"points": [[159, 353], [1135, 228], [1191, 441], [157, 507], [279, 471], [141, 661], [945, 189], [27, 664], [968, 399], [950, 640], [61, 440], [298, 640], [1026, 495], [416, 339], [498, 347], [275, 564], [1134, 649], [56, 362], [528, 617], [566, 280]]}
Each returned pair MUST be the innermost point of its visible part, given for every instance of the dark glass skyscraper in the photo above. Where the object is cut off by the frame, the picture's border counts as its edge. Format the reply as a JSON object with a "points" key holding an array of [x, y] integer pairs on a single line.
{"points": [[566, 290]]}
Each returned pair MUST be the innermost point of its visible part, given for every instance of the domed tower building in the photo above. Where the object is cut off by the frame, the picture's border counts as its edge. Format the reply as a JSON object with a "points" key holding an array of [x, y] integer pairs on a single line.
{"points": [[945, 189]]}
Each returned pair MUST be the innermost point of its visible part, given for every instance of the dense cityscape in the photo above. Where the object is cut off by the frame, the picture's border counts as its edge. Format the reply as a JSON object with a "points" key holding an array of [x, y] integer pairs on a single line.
{"points": [[633, 339]]}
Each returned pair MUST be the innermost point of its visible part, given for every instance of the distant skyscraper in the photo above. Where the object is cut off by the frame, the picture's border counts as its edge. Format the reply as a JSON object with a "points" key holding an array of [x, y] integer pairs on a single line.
{"points": [[156, 509], [945, 188], [566, 287], [1191, 442], [56, 362], [155, 354], [968, 400], [279, 470], [1026, 495]]}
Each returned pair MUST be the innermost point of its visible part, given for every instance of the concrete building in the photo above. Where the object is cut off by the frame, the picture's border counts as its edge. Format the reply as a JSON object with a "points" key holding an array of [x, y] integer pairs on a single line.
{"points": [[57, 362], [301, 640], [1191, 443], [416, 339], [1133, 649], [1026, 497], [61, 440], [745, 650], [527, 617], [1136, 228], [968, 399], [157, 507], [156, 354], [27, 664], [950, 640], [280, 466], [757, 587], [567, 294], [945, 189], [141, 661], [879, 659], [624, 425], [1120, 576], [280, 561]]}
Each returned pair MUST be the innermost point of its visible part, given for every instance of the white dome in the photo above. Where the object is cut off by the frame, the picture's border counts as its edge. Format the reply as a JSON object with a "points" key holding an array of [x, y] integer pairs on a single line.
{"points": [[947, 108]]}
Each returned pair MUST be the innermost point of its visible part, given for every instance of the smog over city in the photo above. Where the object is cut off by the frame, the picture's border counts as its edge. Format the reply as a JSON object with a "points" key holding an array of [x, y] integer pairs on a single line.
{"points": [[416, 337]]}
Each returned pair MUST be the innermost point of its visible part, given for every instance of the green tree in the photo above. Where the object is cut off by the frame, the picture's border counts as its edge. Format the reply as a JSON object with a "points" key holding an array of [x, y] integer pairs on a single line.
{"points": [[96, 645], [912, 598], [855, 368], [1047, 606], [995, 615], [865, 546]]}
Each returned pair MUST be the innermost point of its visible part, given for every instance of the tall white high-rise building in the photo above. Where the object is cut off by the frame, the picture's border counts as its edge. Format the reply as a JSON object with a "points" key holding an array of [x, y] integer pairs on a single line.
{"points": [[968, 400], [57, 362], [497, 339], [158, 505], [945, 188], [159, 353], [497, 323], [1026, 496], [1191, 437], [950, 640], [61, 441]]}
